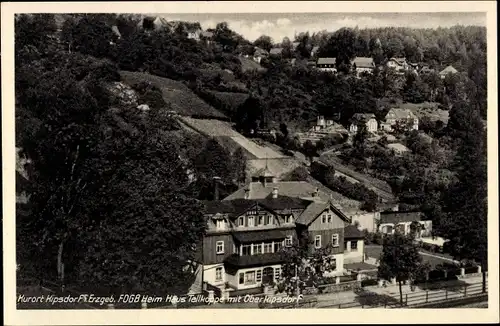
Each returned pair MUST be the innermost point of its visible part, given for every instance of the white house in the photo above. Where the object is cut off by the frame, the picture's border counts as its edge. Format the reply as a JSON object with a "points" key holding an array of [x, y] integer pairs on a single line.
{"points": [[363, 118], [326, 65], [363, 64], [404, 117]]}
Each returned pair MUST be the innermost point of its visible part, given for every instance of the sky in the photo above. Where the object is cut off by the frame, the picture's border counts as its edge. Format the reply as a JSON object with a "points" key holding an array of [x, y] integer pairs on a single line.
{"points": [[279, 25]]}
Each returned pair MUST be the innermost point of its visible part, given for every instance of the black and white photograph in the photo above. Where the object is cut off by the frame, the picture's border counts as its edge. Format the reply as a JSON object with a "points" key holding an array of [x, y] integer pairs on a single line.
{"points": [[169, 161]]}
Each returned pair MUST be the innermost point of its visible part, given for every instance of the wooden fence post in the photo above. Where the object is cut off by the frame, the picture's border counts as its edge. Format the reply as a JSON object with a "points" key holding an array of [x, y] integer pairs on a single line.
{"points": [[446, 293], [426, 296], [406, 298], [465, 290]]}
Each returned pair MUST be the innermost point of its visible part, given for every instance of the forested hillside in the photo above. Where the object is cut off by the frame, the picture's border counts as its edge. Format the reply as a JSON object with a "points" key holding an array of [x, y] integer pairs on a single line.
{"points": [[113, 178]]}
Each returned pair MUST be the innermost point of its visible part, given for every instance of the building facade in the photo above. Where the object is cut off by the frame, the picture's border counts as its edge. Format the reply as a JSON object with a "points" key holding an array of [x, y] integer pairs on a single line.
{"points": [[326, 65], [367, 119], [403, 117]]}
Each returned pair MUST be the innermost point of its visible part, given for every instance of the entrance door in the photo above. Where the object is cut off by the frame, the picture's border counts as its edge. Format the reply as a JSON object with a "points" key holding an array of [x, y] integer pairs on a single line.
{"points": [[267, 275]]}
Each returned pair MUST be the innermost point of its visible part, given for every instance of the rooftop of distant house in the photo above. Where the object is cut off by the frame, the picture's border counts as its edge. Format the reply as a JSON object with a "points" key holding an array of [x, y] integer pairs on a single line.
{"points": [[399, 217], [326, 61], [398, 147], [448, 70], [362, 117], [363, 62], [400, 113], [399, 61], [276, 51]]}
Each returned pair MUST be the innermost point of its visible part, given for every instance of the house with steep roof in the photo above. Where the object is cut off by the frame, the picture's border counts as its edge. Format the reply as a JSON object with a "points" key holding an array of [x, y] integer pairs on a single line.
{"points": [[207, 37], [326, 65], [363, 64], [368, 119], [426, 70], [448, 70], [401, 118]]}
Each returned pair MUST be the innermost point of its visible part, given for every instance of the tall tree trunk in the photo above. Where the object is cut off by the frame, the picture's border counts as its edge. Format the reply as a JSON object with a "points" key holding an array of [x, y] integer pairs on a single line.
{"points": [[400, 293], [59, 260], [484, 276]]}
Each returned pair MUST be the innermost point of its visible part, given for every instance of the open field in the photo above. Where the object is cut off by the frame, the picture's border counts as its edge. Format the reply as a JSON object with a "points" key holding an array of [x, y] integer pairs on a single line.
{"points": [[175, 93]]}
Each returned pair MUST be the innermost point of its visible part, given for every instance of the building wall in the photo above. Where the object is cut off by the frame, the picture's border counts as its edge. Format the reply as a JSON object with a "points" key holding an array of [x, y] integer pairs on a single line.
{"points": [[339, 258], [367, 221], [372, 125], [355, 256], [209, 274], [210, 255], [326, 239], [336, 222], [233, 280]]}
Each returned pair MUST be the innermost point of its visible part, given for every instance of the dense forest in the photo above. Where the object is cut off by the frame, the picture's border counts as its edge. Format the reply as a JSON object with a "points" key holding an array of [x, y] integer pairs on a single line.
{"points": [[110, 185]]}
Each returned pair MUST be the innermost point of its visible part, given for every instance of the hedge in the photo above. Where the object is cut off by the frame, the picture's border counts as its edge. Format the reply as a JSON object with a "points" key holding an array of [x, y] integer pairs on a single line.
{"points": [[369, 282]]}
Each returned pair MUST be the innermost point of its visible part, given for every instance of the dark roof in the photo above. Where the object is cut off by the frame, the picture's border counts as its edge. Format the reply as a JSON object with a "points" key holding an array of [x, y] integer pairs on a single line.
{"points": [[276, 51], [358, 117], [397, 217], [352, 232], [261, 235], [363, 62], [254, 260], [236, 207]]}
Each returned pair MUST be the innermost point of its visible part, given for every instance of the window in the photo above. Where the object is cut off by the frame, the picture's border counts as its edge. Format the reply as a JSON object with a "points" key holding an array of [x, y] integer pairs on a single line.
{"points": [[260, 220], [250, 277], [277, 273], [268, 248], [242, 278], [218, 274], [288, 241], [258, 276], [277, 246], [323, 218], [329, 218], [236, 249], [246, 250], [221, 224], [289, 219], [219, 247], [257, 249], [354, 245], [250, 221], [317, 241], [335, 240], [241, 221], [269, 220]]}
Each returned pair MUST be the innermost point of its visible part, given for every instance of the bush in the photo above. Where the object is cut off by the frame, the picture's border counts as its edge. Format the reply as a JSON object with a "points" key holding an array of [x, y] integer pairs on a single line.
{"points": [[369, 282]]}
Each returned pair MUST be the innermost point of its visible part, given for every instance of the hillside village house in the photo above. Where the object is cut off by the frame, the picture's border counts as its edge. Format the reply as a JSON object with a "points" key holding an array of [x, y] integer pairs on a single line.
{"points": [[398, 148], [399, 64], [448, 70], [295, 45], [363, 64], [406, 223], [194, 35], [404, 117], [326, 65], [426, 70], [367, 119], [259, 53], [314, 51], [207, 37]]}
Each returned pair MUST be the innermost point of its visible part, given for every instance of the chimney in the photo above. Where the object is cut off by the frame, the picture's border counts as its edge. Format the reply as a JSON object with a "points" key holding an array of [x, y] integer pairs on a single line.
{"points": [[275, 192], [247, 193], [216, 187]]}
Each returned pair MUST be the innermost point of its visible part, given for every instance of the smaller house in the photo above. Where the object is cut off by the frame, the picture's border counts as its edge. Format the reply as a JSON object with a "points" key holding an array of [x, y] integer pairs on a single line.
{"points": [[363, 64], [354, 244], [194, 35], [326, 65], [448, 70], [259, 53], [405, 222], [295, 45], [207, 36], [311, 64], [405, 118], [276, 51], [367, 119], [365, 220], [399, 64], [398, 148], [314, 51]]}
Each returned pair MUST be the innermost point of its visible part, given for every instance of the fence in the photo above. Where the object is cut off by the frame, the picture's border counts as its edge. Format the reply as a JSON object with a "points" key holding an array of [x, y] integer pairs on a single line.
{"points": [[374, 300]]}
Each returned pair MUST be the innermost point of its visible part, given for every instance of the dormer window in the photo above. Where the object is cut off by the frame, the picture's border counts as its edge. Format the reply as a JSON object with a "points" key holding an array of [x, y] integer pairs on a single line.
{"points": [[220, 224], [289, 219], [241, 221]]}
